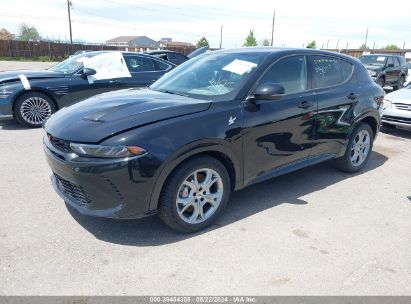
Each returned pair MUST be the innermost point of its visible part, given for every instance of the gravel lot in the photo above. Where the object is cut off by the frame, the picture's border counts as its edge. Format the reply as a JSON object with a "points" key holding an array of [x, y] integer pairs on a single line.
{"points": [[313, 232]]}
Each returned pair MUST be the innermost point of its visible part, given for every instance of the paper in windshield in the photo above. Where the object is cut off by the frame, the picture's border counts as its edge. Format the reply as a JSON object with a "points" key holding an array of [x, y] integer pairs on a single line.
{"points": [[108, 66], [239, 66]]}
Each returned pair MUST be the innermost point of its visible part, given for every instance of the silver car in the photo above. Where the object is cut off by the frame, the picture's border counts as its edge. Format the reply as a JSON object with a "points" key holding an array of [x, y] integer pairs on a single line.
{"points": [[397, 108]]}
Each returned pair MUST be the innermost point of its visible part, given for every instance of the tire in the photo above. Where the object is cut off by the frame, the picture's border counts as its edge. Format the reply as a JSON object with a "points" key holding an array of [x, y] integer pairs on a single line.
{"points": [[33, 108], [346, 163], [381, 82], [180, 205], [400, 84]]}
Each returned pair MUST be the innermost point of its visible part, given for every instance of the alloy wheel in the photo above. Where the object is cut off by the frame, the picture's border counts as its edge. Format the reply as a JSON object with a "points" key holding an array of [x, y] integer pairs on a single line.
{"points": [[360, 148], [199, 196], [35, 110]]}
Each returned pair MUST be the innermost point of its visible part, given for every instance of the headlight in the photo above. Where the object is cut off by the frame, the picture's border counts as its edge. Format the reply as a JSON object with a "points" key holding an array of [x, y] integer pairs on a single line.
{"points": [[372, 73], [387, 104], [106, 151]]}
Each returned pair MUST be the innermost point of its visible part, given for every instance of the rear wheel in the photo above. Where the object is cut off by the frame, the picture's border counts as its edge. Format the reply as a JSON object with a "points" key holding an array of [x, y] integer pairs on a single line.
{"points": [[400, 85], [194, 195], [33, 108], [358, 150]]}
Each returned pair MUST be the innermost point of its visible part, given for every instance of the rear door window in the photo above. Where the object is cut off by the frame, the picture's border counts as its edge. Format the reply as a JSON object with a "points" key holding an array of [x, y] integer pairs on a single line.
{"points": [[327, 72], [176, 58]]}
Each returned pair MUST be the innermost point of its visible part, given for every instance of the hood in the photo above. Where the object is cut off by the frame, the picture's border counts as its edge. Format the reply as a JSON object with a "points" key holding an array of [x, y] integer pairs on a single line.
{"points": [[400, 96], [373, 67], [30, 74], [101, 116]]}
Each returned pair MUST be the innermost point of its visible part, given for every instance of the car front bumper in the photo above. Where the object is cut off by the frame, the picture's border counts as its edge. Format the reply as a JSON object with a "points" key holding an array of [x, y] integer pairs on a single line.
{"points": [[397, 117], [112, 188]]}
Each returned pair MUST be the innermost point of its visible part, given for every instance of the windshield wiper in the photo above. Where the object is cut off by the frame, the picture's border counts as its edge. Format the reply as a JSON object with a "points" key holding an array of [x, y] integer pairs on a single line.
{"points": [[174, 93]]}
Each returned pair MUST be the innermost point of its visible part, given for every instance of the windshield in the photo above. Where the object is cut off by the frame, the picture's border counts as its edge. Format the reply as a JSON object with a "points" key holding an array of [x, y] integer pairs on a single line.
{"points": [[71, 64], [373, 60], [212, 76]]}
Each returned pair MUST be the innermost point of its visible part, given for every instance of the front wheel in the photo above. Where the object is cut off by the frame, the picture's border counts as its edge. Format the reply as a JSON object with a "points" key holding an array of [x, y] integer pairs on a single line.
{"points": [[358, 150], [33, 108], [381, 82], [195, 194]]}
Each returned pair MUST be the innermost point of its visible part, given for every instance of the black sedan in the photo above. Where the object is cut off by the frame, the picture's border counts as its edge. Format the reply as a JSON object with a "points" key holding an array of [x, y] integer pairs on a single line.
{"points": [[32, 96], [217, 123]]}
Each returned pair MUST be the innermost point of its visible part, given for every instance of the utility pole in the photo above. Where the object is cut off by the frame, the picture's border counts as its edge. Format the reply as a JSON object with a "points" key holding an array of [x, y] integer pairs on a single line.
{"points": [[69, 4], [403, 46], [373, 45], [322, 47], [338, 41], [366, 38], [221, 36], [272, 30], [327, 43]]}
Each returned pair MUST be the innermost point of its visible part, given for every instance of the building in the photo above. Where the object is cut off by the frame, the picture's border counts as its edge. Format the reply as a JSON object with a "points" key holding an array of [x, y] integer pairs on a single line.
{"points": [[138, 43], [168, 43]]}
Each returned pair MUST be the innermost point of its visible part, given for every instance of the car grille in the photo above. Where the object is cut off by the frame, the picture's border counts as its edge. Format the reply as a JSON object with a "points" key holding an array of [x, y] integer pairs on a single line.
{"points": [[76, 193], [403, 120], [402, 106], [60, 144]]}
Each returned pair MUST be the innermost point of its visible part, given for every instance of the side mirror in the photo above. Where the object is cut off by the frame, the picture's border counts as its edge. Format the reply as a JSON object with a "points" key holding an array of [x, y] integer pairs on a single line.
{"points": [[89, 72], [390, 65], [269, 91]]}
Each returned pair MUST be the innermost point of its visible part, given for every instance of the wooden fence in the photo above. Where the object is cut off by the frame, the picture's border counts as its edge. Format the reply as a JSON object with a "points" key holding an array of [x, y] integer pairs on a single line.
{"points": [[30, 49]]}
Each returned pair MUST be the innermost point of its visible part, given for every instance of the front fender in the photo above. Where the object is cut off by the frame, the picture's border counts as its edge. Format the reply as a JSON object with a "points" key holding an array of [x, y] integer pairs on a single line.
{"points": [[186, 152]]}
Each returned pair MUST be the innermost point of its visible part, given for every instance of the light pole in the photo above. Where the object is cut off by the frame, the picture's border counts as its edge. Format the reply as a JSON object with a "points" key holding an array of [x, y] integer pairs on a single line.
{"points": [[69, 4]]}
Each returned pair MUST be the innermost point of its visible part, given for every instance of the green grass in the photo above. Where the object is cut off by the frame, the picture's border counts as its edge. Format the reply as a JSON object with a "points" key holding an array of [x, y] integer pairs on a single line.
{"points": [[38, 58]]}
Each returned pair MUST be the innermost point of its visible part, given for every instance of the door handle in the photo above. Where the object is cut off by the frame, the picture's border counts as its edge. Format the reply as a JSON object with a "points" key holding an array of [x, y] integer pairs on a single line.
{"points": [[113, 81], [305, 105], [352, 96]]}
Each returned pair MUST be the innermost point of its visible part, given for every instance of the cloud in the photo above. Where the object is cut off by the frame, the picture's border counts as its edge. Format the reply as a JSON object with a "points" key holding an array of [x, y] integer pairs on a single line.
{"points": [[297, 23]]}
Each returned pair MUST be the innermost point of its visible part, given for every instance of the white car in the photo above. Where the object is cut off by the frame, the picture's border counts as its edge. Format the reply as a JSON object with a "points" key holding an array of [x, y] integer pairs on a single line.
{"points": [[397, 108]]}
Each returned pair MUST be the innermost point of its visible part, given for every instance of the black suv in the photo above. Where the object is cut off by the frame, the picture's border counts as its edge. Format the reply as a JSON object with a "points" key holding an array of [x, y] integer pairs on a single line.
{"points": [[386, 69], [219, 122]]}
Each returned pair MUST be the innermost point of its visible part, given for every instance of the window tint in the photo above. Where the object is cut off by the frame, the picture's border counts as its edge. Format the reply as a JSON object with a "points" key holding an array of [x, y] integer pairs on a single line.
{"points": [[289, 72], [140, 64], [160, 66], [327, 72], [396, 63], [176, 58], [390, 61]]}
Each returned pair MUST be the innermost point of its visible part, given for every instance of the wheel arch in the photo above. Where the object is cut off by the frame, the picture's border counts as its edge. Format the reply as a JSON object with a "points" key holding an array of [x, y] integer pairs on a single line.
{"points": [[217, 151], [45, 92]]}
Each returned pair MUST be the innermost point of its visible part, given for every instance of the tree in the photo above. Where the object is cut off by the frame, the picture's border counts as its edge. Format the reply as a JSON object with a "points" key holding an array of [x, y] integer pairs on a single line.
{"points": [[265, 42], [312, 45], [5, 34], [391, 47], [250, 40], [28, 32], [363, 47], [202, 42]]}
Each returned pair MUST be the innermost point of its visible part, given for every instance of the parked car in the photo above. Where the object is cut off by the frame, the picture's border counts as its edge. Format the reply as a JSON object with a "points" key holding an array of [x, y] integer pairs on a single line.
{"points": [[217, 123], [175, 57], [408, 80], [32, 96], [80, 52], [385, 69], [397, 108]]}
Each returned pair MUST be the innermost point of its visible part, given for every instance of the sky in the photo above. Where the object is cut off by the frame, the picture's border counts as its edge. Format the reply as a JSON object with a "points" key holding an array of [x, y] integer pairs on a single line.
{"points": [[296, 23]]}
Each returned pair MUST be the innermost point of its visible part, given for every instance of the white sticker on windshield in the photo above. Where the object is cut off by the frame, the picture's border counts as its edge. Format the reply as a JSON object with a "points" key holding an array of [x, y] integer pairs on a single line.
{"points": [[25, 82], [108, 66], [380, 58], [239, 66]]}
